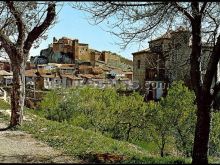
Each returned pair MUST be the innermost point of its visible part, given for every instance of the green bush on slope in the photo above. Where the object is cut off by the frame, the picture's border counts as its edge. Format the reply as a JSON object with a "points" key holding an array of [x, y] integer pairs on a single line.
{"points": [[79, 142]]}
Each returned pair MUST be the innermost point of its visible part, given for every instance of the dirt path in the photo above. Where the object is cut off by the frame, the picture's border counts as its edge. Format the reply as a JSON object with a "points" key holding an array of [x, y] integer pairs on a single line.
{"points": [[20, 147]]}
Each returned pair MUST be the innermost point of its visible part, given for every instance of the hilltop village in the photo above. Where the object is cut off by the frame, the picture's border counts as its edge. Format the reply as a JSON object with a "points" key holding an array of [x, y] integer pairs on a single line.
{"points": [[68, 63]]}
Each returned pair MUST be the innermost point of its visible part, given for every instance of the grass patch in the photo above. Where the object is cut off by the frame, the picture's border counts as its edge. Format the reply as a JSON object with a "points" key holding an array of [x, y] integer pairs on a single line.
{"points": [[89, 145], [4, 118], [214, 160], [4, 105], [150, 146]]}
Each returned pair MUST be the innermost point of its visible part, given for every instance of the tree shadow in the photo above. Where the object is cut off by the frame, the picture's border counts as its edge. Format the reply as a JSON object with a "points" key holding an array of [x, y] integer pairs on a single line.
{"points": [[6, 128]]}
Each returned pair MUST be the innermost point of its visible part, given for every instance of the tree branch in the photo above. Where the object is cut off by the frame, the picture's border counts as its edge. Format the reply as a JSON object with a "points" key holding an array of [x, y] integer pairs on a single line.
{"points": [[8, 46], [136, 4], [203, 7], [37, 31], [212, 65], [179, 8], [19, 22]]}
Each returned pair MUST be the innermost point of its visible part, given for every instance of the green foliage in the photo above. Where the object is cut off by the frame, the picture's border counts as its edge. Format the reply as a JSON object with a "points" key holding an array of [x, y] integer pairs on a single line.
{"points": [[4, 105], [214, 144], [170, 122], [79, 142], [102, 110], [159, 128], [175, 119], [56, 106], [167, 123], [180, 101]]}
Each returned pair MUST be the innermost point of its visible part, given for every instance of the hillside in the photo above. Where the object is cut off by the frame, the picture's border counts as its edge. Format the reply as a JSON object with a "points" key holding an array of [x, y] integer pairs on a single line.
{"points": [[84, 145], [77, 144], [126, 61], [90, 146]]}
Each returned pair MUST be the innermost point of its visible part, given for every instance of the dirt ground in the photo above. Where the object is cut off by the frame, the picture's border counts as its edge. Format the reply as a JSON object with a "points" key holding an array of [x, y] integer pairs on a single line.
{"points": [[20, 147]]}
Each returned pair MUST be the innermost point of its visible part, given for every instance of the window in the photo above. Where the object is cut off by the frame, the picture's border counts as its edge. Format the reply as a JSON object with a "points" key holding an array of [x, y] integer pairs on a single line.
{"points": [[139, 64]]}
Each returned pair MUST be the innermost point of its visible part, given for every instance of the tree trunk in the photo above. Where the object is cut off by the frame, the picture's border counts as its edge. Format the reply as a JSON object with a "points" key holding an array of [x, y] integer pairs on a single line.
{"points": [[162, 150], [163, 141], [128, 131], [201, 139], [18, 92]]}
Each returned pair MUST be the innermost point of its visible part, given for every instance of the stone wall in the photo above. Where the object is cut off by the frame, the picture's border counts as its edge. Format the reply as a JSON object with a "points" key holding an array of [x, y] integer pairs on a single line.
{"points": [[139, 66], [174, 50]]}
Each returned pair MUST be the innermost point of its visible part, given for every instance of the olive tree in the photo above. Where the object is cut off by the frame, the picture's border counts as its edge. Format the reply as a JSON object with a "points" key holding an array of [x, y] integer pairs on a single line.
{"points": [[22, 24], [180, 111]]}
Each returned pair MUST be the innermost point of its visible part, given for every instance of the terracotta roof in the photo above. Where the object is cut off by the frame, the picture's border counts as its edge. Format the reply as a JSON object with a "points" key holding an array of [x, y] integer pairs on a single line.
{"points": [[97, 70], [87, 76], [73, 77], [30, 73], [84, 66], [99, 77], [104, 68], [50, 76]]}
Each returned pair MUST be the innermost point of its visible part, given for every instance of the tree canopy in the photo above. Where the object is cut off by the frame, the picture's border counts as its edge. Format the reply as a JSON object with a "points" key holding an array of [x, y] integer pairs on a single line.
{"points": [[138, 21]]}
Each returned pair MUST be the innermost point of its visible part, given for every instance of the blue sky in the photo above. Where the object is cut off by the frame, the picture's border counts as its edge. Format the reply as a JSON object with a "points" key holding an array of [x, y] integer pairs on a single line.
{"points": [[73, 24]]}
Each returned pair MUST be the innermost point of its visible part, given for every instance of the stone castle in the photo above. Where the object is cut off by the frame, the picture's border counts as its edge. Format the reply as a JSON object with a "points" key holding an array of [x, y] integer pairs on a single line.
{"points": [[71, 51]]}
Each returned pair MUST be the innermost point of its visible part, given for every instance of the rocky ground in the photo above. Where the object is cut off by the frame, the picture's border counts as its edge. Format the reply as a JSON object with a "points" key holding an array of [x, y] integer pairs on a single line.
{"points": [[20, 147]]}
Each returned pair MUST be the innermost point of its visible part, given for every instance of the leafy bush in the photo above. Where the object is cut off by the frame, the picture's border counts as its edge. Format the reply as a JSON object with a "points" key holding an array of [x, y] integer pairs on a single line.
{"points": [[214, 144], [55, 106], [168, 123], [174, 119], [100, 110]]}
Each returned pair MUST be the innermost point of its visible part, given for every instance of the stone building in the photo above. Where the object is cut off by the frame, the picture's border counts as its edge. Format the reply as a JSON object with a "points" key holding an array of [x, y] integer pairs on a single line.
{"points": [[167, 58], [149, 72], [71, 51], [144, 66]]}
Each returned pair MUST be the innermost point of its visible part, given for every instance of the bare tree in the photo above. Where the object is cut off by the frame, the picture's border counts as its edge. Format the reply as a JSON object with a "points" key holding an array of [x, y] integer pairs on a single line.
{"points": [[21, 25], [139, 21]]}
